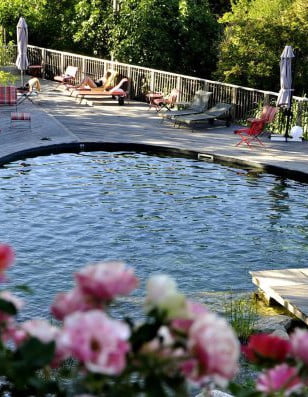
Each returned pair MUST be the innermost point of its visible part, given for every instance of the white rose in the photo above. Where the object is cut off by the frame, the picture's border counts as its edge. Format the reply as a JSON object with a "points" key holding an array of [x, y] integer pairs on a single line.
{"points": [[162, 293]]}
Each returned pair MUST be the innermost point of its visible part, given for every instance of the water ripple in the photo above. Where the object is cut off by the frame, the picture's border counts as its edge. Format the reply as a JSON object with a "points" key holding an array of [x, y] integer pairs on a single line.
{"points": [[206, 224]]}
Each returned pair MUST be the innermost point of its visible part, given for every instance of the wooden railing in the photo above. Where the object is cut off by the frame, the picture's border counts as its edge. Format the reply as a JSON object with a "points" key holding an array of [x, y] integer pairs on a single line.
{"points": [[245, 100]]}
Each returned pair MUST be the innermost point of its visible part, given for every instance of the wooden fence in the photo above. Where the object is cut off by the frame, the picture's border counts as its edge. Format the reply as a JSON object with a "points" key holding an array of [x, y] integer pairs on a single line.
{"points": [[245, 100]]}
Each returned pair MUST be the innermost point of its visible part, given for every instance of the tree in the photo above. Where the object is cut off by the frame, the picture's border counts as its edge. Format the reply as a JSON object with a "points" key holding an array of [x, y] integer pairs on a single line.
{"points": [[12, 10], [49, 22], [255, 34], [92, 23], [219, 7], [172, 35]]}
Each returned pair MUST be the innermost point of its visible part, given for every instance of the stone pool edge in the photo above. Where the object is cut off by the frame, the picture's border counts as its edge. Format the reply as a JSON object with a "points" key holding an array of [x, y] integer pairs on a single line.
{"points": [[77, 147]]}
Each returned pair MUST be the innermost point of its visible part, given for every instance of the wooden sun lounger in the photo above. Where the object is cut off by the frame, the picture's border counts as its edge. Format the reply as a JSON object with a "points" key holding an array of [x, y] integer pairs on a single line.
{"points": [[98, 93]]}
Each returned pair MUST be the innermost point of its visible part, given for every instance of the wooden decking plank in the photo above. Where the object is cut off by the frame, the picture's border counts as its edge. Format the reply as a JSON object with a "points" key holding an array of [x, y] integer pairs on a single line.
{"points": [[289, 287], [281, 277]]}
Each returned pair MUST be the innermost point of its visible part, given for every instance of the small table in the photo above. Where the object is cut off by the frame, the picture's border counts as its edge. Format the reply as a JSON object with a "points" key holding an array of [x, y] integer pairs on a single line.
{"points": [[151, 96], [36, 70]]}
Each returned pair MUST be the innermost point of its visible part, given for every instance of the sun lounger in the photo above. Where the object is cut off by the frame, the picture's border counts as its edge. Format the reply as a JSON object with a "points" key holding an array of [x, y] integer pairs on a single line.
{"points": [[197, 105], [120, 91], [219, 111], [98, 93]]}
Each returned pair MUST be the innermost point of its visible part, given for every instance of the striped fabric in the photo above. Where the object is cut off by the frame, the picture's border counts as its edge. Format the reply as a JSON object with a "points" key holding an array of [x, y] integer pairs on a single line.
{"points": [[8, 95], [22, 116]]}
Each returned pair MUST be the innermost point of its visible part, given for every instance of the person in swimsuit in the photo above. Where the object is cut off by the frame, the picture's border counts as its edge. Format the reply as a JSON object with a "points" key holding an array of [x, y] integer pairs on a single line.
{"points": [[106, 82]]}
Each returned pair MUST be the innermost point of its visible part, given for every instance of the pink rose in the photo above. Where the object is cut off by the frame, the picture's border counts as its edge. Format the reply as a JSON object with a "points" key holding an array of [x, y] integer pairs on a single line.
{"points": [[6, 258], [14, 333], [40, 329], [264, 347], [75, 300], [299, 344], [194, 310], [106, 280], [281, 378], [214, 350], [96, 340]]}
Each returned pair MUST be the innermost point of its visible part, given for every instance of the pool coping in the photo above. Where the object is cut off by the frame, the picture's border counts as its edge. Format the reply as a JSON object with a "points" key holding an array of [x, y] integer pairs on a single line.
{"points": [[77, 147]]}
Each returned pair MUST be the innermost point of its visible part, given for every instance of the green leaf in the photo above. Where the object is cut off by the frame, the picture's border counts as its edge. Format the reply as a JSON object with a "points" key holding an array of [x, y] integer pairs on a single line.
{"points": [[23, 288], [143, 334], [36, 354], [7, 307]]}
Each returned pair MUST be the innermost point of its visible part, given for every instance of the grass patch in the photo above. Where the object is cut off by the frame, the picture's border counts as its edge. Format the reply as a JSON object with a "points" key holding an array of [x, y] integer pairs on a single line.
{"points": [[242, 313]]}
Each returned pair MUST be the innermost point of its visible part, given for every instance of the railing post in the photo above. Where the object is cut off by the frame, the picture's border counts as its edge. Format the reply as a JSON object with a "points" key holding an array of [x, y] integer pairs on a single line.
{"points": [[178, 87], [152, 81], [83, 67], [234, 103], [62, 62], [129, 72], [43, 62], [266, 98]]}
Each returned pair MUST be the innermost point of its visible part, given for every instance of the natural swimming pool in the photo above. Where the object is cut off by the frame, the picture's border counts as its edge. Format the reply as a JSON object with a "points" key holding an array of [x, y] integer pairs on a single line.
{"points": [[204, 223]]}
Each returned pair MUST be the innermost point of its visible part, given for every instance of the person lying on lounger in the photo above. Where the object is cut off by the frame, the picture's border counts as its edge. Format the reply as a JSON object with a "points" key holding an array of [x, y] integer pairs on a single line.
{"points": [[120, 87], [106, 82]]}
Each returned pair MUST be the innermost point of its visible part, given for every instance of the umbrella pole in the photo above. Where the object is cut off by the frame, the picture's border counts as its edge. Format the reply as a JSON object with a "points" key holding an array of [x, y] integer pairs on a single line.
{"points": [[289, 114], [288, 124]]}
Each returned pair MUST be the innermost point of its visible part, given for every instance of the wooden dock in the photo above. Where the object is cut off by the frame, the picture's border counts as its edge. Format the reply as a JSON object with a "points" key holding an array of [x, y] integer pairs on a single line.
{"points": [[288, 287]]}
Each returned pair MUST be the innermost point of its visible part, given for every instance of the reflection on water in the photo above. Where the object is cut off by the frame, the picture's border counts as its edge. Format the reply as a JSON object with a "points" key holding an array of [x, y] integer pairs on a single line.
{"points": [[206, 224]]}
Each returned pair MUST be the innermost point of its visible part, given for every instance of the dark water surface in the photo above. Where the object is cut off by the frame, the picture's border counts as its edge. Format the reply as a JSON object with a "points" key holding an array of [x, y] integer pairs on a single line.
{"points": [[203, 223]]}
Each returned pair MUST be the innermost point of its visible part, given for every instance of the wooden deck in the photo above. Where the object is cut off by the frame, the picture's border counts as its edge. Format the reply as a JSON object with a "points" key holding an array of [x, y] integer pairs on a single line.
{"points": [[288, 287]]}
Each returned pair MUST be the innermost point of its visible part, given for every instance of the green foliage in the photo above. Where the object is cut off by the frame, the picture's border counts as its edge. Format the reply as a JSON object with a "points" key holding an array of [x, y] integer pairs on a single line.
{"points": [[219, 7], [49, 22], [168, 35], [11, 10], [91, 26], [7, 54], [242, 315], [256, 32], [7, 307], [7, 78]]}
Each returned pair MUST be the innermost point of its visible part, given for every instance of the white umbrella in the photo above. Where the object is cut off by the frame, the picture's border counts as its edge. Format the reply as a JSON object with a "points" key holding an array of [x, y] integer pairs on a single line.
{"points": [[22, 62], [285, 94]]}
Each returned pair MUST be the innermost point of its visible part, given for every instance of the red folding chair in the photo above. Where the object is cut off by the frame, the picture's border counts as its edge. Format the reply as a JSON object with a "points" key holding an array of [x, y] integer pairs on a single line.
{"points": [[268, 114], [251, 133]]}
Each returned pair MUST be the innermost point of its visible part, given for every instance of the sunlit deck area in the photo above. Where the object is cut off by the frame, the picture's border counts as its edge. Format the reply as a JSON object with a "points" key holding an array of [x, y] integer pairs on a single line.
{"points": [[288, 287], [61, 124]]}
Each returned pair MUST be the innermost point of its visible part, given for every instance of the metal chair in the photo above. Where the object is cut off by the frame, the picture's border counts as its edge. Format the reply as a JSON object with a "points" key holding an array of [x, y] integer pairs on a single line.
{"points": [[251, 133]]}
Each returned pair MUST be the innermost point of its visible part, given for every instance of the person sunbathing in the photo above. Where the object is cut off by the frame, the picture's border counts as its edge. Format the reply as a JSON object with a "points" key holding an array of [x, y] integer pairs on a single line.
{"points": [[120, 87], [106, 82]]}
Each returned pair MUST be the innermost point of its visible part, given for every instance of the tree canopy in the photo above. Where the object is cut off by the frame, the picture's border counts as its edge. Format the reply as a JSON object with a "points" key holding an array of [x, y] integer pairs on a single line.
{"points": [[235, 41], [255, 34]]}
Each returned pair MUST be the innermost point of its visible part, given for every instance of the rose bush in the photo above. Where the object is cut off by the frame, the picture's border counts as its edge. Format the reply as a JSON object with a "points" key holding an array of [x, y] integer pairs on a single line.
{"points": [[86, 352]]}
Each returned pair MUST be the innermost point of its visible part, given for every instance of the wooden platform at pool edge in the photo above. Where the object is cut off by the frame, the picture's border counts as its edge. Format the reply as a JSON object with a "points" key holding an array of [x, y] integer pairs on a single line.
{"points": [[288, 287]]}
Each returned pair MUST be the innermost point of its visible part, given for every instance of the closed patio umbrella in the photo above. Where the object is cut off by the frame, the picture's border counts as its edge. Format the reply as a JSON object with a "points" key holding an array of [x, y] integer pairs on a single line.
{"points": [[284, 99], [22, 62]]}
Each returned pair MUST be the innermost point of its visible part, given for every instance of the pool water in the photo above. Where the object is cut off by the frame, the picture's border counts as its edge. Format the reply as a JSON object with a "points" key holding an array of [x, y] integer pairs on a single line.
{"points": [[204, 223]]}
